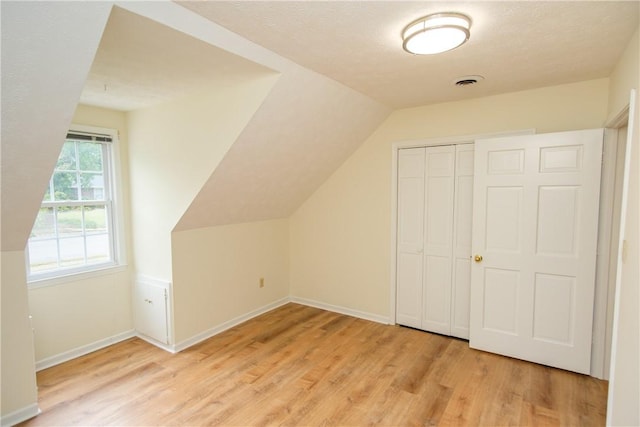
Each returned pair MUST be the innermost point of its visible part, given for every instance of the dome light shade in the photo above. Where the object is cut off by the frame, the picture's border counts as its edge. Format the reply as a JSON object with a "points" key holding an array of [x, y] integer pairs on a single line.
{"points": [[436, 33]]}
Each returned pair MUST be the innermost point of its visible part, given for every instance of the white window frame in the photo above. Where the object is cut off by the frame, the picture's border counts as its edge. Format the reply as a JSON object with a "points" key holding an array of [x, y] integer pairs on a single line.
{"points": [[116, 230]]}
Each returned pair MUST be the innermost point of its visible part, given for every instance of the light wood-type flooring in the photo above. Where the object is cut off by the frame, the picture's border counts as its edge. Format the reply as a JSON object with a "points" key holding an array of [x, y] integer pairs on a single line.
{"points": [[301, 366]]}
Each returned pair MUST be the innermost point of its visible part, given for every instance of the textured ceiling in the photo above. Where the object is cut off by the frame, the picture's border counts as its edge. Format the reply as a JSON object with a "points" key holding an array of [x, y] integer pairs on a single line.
{"points": [[141, 62], [302, 131], [515, 45], [47, 49]]}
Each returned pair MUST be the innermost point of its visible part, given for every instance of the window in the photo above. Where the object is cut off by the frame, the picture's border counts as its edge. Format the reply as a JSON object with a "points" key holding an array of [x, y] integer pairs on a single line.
{"points": [[75, 228]]}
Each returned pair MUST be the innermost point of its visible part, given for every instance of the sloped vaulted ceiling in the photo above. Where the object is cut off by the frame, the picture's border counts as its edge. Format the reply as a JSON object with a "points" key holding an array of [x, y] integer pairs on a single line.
{"points": [[304, 130], [141, 63], [47, 50]]}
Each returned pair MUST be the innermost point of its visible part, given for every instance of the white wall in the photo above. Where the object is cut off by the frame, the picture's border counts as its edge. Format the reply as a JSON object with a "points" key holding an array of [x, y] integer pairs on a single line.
{"points": [[74, 315], [624, 76], [624, 386], [173, 149], [19, 391], [217, 272], [77, 313], [340, 237]]}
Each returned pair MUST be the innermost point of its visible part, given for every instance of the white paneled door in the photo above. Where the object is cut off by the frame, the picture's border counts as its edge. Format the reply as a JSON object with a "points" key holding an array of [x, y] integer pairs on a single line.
{"points": [[535, 218]]}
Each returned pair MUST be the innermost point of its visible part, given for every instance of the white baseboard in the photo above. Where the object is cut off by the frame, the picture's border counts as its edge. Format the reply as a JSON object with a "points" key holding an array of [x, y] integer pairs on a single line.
{"points": [[165, 347], [342, 310], [228, 325], [20, 415], [81, 351]]}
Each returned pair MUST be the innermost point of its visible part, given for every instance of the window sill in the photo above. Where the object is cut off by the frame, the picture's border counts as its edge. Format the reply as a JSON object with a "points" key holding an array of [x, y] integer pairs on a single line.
{"points": [[36, 283]]}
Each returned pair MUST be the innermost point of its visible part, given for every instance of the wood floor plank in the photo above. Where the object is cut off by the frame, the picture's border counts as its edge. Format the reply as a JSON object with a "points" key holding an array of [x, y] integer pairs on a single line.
{"points": [[298, 365]]}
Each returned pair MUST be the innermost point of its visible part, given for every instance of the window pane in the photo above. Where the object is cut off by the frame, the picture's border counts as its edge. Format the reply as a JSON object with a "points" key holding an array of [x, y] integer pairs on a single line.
{"points": [[98, 248], [69, 220], [43, 255], [90, 156], [74, 233], [71, 251], [65, 186], [47, 194], [95, 219], [92, 186], [67, 159], [44, 225]]}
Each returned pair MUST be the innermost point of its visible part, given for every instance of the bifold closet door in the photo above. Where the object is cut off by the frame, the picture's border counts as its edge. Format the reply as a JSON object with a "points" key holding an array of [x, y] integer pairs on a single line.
{"points": [[435, 189], [461, 280], [410, 234], [438, 238]]}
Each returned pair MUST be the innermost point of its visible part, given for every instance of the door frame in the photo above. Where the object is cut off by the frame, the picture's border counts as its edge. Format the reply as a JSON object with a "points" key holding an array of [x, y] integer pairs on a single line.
{"points": [[628, 117], [613, 160], [623, 119], [418, 143]]}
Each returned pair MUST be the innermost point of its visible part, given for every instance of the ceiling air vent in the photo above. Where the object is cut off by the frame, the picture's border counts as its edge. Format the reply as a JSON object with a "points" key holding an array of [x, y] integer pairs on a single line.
{"points": [[468, 80]]}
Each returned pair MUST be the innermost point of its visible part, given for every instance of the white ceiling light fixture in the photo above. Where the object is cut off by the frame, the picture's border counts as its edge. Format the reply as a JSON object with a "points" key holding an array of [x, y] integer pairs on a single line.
{"points": [[436, 33]]}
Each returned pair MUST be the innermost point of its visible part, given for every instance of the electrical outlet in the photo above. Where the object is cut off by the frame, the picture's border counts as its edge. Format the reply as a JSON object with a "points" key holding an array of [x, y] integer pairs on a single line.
{"points": [[262, 282]]}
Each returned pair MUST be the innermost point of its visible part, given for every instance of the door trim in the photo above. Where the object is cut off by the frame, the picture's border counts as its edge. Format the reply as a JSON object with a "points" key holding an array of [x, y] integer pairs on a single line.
{"points": [[605, 219], [631, 128], [613, 159], [417, 143]]}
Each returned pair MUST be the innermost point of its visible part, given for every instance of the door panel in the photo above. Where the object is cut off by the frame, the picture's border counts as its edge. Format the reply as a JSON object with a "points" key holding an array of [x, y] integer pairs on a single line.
{"points": [[439, 196], [503, 215], [460, 303], [463, 210], [558, 211], [151, 311], [411, 166], [438, 250], [505, 161], [409, 289], [500, 290], [535, 225], [555, 294], [437, 290]]}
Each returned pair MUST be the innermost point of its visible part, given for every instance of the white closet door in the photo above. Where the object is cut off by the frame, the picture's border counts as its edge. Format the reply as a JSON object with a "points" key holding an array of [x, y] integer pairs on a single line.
{"points": [[463, 209], [438, 238], [411, 166]]}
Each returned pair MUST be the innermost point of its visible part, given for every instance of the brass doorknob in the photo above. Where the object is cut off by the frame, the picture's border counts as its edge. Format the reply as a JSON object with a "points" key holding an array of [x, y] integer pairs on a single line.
{"points": [[478, 258]]}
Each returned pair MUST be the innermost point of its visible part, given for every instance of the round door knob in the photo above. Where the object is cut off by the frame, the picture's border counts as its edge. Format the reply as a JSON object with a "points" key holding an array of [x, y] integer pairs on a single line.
{"points": [[478, 258]]}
